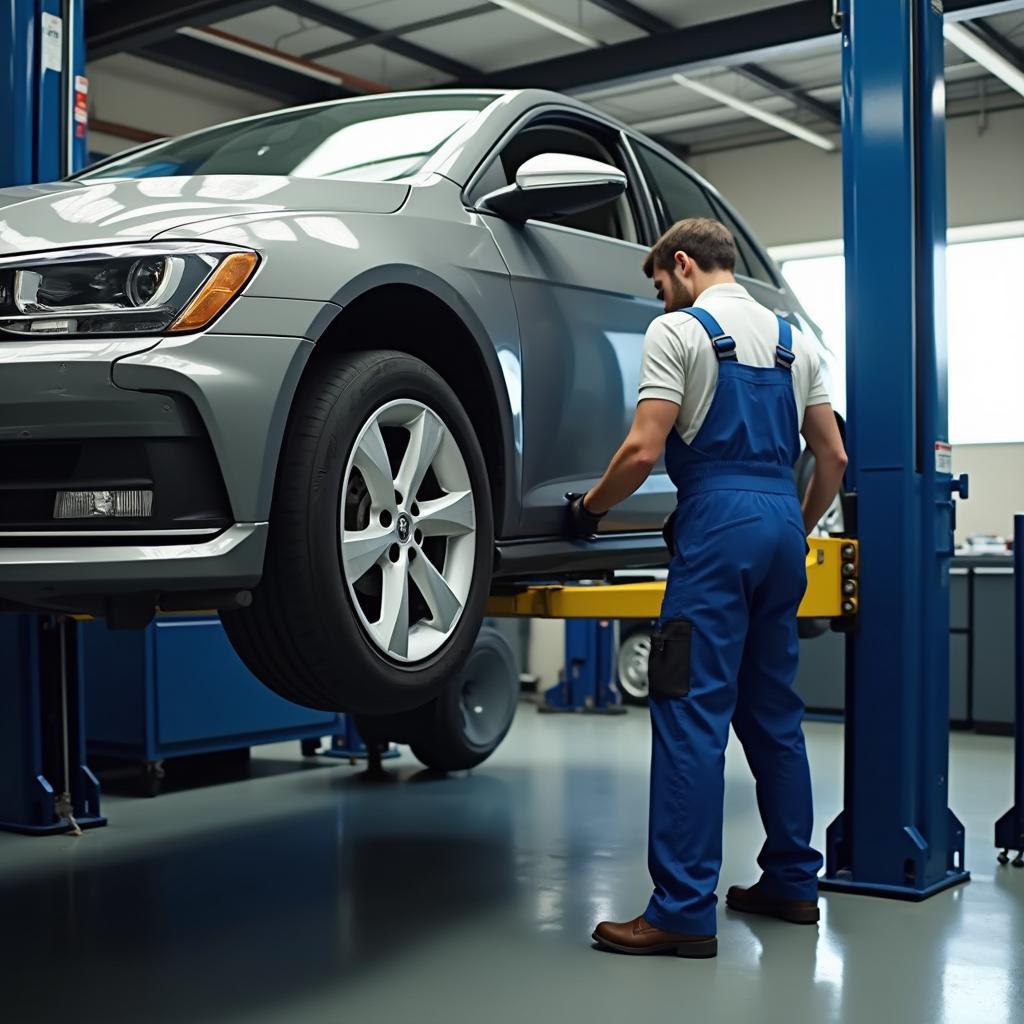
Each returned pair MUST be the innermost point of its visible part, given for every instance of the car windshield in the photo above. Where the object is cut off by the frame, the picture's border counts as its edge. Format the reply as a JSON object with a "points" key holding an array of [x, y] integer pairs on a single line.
{"points": [[386, 139]]}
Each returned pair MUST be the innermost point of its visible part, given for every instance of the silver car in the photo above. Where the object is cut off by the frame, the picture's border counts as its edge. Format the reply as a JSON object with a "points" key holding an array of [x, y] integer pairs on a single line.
{"points": [[331, 371]]}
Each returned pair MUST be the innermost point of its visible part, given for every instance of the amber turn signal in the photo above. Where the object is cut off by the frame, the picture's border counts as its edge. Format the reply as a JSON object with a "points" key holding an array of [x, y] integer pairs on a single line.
{"points": [[224, 284]]}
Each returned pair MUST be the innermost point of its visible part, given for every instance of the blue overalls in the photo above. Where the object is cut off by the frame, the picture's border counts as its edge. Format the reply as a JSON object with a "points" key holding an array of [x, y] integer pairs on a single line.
{"points": [[738, 576]]}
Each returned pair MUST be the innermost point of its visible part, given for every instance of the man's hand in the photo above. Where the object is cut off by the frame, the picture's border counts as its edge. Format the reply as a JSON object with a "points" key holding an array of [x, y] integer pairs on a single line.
{"points": [[582, 523]]}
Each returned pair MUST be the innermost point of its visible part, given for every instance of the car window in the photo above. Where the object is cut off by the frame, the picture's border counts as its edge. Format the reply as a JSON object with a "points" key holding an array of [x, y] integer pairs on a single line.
{"points": [[385, 139], [677, 196], [614, 219], [755, 263]]}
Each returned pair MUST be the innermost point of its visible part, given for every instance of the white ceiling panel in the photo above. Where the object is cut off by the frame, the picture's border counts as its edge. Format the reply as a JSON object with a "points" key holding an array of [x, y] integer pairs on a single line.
{"points": [[594, 21], [388, 14], [282, 30], [385, 68], [285, 31], [489, 42]]}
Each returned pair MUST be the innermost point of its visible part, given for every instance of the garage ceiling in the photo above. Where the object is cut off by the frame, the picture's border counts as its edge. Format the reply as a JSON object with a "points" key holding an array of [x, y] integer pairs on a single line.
{"points": [[618, 54]]}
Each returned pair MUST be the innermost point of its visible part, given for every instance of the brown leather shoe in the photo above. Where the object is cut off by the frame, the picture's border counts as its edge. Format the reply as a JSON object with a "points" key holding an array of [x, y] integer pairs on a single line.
{"points": [[639, 938], [752, 901]]}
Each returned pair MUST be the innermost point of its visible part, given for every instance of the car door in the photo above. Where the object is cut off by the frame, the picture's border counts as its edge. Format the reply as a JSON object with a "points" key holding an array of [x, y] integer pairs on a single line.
{"points": [[584, 306]]}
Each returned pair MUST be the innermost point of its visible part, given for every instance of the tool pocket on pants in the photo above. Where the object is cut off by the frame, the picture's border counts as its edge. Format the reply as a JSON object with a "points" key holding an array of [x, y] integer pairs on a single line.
{"points": [[668, 671]]}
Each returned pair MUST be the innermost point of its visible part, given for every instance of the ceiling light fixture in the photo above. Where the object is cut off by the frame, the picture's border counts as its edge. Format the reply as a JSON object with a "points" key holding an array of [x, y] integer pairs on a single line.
{"points": [[775, 120], [990, 59], [549, 22]]}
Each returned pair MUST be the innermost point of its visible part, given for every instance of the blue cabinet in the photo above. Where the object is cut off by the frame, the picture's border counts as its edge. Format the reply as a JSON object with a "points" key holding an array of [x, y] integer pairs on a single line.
{"points": [[178, 688]]}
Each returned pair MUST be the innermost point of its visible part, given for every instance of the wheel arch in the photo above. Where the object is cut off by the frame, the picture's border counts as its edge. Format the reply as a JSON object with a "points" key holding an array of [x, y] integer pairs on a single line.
{"points": [[391, 307]]}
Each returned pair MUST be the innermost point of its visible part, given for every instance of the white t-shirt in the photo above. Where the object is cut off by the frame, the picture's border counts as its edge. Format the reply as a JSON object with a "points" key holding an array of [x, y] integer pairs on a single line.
{"points": [[680, 365]]}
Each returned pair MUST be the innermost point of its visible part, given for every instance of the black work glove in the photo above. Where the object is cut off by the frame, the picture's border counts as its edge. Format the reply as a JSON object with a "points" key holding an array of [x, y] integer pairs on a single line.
{"points": [[581, 522], [668, 531]]}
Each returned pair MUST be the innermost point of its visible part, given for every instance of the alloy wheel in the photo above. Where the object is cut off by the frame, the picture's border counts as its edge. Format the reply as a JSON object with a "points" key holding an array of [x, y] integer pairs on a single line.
{"points": [[407, 525], [634, 657]]}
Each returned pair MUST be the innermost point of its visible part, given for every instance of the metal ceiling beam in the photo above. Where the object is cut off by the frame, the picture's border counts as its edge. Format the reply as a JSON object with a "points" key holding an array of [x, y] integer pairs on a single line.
{"points": [[1003, 46], [361, 30], [652, 24], [960, 10], [240, 71], [386, 35], [771, 33], [118, 25], [736, 40], [635, 15], [780, 87]]}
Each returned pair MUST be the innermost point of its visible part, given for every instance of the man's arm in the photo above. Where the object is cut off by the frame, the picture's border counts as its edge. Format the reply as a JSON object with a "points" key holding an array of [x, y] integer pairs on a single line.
{"points": [[633, 462], [823, 438]]}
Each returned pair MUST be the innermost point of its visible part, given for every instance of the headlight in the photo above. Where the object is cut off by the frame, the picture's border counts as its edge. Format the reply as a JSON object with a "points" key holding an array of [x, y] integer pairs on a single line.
{"points": [[142, 289]]}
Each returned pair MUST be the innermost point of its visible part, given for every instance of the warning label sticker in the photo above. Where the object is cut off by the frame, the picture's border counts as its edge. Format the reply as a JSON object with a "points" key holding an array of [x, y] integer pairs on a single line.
{"points": [[52, 29], [943, 457]]}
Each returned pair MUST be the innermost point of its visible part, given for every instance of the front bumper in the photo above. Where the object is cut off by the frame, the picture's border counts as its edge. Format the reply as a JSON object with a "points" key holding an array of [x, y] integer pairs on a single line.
{"points": [[82, 579], [121, 404]]}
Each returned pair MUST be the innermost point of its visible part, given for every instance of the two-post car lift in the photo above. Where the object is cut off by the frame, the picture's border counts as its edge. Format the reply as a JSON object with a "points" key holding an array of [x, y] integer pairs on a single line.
{"points": [[896, 835]]}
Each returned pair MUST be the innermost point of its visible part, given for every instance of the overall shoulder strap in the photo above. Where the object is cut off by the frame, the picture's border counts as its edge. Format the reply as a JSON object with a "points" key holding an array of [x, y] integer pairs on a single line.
{"points": [[724, 346], [784, 354]]}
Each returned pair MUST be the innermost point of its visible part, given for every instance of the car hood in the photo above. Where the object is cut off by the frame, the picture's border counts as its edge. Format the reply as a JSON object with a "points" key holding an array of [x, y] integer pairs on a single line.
{"points": [[58, 215]]}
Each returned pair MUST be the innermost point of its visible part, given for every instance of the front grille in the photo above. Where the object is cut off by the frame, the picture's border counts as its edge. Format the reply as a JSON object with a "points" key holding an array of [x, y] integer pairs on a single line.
{"points": [[182, 472]]}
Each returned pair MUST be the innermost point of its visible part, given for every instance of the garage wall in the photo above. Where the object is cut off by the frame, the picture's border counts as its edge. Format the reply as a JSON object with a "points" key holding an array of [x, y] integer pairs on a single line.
{"points": [[790, 192], [997, 488]]}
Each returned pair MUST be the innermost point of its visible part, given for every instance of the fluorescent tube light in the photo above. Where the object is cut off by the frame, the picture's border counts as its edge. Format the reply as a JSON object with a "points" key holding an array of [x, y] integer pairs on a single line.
{"points": [[549, 22], [978, 50], [775, 120]]}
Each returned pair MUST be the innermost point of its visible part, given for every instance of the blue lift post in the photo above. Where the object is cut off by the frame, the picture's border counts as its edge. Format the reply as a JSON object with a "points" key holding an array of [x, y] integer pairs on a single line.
{"points": [[588, 681], [896, 836], [45, 785], [43, 90], [1010, 827]]}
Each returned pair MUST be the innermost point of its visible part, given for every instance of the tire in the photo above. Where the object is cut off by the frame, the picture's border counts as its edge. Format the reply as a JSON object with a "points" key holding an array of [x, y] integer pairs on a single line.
{"points": [[369, 602], [463, 726], [631, 658]]}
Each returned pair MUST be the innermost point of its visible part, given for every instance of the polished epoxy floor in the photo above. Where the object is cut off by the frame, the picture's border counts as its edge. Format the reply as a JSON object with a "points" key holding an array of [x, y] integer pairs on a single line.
{"points": [[307, 893]]}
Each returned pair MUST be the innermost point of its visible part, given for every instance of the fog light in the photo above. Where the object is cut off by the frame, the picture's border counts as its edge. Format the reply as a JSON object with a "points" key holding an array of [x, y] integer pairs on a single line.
{"points": [[103, 505]]}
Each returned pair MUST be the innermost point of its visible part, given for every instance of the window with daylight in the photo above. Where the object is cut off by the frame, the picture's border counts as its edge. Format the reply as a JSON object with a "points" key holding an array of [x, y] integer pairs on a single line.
{"points": [[984, 326]]}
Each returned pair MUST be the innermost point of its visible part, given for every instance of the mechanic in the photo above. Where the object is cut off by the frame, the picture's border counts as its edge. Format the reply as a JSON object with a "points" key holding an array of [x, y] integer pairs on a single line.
{"points": [[726, 388]]}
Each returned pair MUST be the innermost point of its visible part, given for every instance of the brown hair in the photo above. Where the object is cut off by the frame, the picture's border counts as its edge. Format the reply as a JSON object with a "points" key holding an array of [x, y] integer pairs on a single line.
{"points": [[709, 243]]}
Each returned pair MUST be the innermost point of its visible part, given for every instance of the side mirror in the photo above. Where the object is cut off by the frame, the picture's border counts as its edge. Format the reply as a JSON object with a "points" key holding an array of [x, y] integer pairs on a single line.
{"points": [[556, 184]]}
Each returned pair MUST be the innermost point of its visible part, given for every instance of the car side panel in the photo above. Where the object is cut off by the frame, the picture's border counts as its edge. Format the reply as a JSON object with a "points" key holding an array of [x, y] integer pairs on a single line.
{"points": [[584, 307]]}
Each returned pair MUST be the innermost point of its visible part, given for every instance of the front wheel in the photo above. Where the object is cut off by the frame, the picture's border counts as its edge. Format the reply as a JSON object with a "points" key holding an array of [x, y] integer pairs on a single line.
{"points": [[381, 541]]}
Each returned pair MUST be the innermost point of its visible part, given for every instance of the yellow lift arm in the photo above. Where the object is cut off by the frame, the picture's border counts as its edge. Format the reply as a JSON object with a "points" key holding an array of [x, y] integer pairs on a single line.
{"points": [[832, 568]]}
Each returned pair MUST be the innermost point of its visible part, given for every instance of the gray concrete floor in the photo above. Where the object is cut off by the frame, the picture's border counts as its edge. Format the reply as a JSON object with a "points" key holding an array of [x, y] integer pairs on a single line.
{"points": [[306, 893]]}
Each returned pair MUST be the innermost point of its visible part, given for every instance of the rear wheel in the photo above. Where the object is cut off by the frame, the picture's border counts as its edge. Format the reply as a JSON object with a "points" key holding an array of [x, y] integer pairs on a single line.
{"points": [[463, 726], [381, 541], [631, 661]]}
